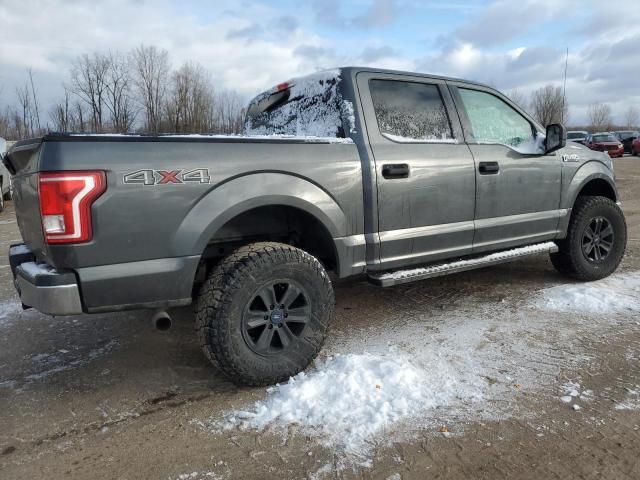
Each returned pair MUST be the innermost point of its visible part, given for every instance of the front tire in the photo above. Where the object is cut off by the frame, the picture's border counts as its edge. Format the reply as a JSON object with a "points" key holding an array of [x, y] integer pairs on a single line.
{"points": [[263, 313], [596, 240]]}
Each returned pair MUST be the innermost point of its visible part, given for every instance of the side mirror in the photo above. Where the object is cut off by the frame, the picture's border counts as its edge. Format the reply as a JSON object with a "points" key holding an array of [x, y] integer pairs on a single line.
{"points": [[556, 137]]}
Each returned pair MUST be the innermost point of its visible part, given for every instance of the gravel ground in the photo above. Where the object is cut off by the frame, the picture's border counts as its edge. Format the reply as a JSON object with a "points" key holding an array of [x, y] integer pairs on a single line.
{"points": [[107, 396]]}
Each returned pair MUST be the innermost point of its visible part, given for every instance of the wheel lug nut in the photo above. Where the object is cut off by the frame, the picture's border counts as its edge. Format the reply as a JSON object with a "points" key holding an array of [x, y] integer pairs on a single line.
{"points": [[266, 317], [286, 315], [271, 307]]}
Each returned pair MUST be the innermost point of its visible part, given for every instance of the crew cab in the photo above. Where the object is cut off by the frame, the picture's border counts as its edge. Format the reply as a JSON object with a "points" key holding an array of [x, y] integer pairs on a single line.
{"points": [[356, 171]]}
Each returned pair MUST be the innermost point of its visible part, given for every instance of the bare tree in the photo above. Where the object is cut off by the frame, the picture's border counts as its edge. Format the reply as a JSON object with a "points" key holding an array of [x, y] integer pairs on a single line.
{"points": [[229, 113], [61, 114], [118, 98], [88, 82], [632, 117], [599, 116], [34, 99], [548, 105], [518, 97], [190, 106], [151, 77]]}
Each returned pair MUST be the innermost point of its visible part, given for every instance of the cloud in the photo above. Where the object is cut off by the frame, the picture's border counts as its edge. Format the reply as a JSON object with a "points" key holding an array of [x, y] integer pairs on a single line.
{"points": [[251, 32], [372, 54], [504, 20], [378, 13], [286, 23]]}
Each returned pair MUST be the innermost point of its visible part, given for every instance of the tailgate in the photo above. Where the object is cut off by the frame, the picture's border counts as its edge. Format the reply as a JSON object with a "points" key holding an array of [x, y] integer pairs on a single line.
{"points": [[23, 161]]}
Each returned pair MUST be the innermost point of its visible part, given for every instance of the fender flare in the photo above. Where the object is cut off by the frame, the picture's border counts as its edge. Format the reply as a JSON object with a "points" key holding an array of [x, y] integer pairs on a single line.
{"points": [[241, 194], [588, 172]]}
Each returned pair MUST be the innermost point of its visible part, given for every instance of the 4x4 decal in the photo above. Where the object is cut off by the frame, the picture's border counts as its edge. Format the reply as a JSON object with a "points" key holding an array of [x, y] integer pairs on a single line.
{"points": [[167, 177]]}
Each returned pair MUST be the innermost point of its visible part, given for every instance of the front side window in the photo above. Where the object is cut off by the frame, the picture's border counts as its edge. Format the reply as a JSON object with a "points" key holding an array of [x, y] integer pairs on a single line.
{"points": [[410, 112], [494, 121]]}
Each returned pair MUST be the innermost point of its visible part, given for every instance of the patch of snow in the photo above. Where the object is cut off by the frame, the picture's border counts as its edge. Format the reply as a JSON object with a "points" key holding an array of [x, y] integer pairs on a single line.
{"points": [[49, 364], [351, 399], [537, 248], [632, 402], [618, 293], [8, 312], [315, 107], [533, 146], [348, 115]]}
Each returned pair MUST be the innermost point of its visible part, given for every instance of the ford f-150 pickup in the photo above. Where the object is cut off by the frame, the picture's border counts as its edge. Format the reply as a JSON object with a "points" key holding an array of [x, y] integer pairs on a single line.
{"points": [[396, 176]]}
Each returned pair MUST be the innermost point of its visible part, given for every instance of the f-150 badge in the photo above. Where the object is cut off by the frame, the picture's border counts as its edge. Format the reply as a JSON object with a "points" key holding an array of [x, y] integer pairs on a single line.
{"points": [[571, 158], [167, 177]]}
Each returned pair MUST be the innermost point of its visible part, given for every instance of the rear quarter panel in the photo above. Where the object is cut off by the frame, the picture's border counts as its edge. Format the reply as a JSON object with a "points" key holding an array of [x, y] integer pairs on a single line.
{"points": [[135, 222]]}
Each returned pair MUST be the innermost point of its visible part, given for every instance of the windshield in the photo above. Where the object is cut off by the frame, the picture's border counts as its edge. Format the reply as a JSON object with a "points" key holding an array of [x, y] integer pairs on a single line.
{"points": [[571, 135], [306, 106], [604, 138], [626, 134]]}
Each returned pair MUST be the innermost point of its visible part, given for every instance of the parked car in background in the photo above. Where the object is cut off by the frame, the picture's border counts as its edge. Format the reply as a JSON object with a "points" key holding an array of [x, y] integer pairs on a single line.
{"points": [[605, 142], [635, 147], [627, 137], [5, 177], [578, 136]]}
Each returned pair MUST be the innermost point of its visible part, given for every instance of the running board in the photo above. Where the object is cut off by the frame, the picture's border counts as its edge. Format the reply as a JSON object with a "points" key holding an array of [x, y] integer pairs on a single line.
{"points": [[437, 270]]}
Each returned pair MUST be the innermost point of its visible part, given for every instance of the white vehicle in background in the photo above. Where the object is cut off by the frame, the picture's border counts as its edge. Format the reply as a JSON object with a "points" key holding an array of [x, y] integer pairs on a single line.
{"points": [[579, 136], [5, 176]]}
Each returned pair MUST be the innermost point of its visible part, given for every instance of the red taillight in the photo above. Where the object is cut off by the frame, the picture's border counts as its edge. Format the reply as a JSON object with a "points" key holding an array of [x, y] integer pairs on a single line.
{"points": [[282, 87], [65, 204]]}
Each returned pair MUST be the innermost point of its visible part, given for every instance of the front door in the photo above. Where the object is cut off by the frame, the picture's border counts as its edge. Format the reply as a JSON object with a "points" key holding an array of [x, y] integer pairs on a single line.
{"points": [[517, 186], [425, 174]]}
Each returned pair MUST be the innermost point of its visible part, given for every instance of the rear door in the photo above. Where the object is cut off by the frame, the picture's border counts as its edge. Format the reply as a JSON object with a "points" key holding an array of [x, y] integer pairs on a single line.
{"points": [[517, 185], [425, 173]]}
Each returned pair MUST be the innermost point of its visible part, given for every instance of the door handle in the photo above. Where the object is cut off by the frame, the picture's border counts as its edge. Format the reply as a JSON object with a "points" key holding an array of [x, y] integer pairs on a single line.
{"points": [[395, 170], [488, 168]]}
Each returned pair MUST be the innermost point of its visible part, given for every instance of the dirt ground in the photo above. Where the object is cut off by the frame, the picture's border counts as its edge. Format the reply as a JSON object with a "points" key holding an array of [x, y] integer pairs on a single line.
{"points": [[107, 396]]}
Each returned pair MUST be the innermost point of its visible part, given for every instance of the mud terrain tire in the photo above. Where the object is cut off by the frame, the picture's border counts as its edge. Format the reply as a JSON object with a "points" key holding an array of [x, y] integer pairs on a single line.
{"points": [[596, 240], [262, 315]]}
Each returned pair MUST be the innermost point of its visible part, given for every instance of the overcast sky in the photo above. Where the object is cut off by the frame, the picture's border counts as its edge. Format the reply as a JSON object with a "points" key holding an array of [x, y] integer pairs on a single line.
{"points": [[251, 45]]}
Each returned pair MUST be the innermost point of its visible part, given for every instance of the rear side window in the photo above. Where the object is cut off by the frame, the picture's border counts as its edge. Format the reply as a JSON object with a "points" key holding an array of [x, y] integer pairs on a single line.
{"points": [[494, 121], [410, 112]]}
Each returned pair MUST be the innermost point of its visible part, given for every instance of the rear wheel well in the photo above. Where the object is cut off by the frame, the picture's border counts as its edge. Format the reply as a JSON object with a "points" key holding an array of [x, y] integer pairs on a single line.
{"points": [[598, 188], [273, 223]]}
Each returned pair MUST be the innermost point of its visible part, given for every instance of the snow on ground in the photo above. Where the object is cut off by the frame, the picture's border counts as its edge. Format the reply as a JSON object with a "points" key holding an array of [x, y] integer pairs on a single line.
{"points": [[8, 311], [632, 402], [47, 364], [618, 293], [471, 361], [350, 399]]}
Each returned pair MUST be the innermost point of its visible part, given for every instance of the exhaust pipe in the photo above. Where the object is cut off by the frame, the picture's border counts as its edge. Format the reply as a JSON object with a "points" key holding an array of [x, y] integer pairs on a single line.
{"points": [[161, 320]]}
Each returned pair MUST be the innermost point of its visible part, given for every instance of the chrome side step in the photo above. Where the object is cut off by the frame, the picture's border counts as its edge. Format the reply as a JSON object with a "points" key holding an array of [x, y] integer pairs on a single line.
{"points": [[437, 270]]}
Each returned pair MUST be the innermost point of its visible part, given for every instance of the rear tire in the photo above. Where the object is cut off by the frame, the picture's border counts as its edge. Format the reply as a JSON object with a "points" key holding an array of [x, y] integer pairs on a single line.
{"points": [[596, 240], [263, 313]]}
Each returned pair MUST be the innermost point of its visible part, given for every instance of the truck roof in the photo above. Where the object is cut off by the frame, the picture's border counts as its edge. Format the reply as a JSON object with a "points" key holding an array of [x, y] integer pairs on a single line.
{"points": [[356, 69]]}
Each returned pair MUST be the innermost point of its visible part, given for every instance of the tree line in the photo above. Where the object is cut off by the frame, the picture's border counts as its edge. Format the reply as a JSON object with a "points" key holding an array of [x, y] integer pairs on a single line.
{"points": [[136, 91], [548, 105]]}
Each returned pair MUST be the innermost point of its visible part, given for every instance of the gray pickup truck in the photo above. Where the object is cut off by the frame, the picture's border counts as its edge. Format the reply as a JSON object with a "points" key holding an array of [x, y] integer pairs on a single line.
{"points": [[397, 176]]}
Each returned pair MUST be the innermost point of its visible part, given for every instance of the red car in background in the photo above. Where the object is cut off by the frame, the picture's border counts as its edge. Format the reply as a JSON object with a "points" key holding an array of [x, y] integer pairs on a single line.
{"points": [[605, 142], [635, 147]]}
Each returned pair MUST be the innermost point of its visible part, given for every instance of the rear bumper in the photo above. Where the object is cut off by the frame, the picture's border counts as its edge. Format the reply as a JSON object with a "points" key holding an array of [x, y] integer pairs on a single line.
{"points": [[159, 283], [41, 286]]}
